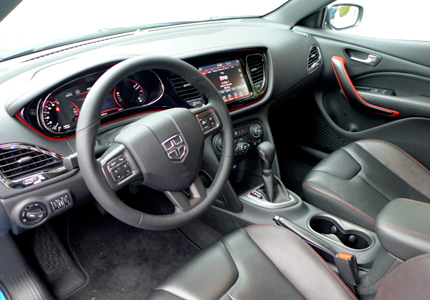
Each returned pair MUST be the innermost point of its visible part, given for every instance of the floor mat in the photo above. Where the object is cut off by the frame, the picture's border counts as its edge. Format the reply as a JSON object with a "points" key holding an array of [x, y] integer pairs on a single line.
{"points": [[123, 262]]}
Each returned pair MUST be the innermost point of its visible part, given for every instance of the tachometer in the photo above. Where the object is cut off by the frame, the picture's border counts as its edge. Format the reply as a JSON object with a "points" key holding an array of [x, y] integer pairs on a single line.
{"points": [[59, 117], [58, 113]]}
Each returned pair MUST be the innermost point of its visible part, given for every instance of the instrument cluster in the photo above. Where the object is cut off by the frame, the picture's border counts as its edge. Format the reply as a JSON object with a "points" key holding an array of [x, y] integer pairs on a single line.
{"points": [[59, 111]]}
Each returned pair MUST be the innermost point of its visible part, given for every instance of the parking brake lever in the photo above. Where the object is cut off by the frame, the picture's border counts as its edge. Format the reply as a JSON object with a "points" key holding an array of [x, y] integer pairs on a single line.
{"points": [[327, 252]]}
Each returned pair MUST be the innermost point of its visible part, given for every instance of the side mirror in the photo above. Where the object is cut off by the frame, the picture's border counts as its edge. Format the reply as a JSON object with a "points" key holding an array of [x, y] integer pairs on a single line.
{"points": [[343, 16]]}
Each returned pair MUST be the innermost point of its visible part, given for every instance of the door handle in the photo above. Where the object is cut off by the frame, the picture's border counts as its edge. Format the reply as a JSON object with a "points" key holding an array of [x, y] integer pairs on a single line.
{"points": [[351, 94], [370, 60]]}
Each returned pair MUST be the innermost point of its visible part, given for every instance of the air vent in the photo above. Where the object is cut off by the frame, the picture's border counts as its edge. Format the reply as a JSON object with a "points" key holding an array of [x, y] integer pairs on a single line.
{"points": [[256, 65], [301, 33], [314, 58], [18, 161], [184, 89]]}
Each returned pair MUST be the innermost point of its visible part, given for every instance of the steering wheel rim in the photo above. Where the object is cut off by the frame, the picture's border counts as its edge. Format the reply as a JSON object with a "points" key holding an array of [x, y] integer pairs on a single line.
{"points": [[87, 128]]}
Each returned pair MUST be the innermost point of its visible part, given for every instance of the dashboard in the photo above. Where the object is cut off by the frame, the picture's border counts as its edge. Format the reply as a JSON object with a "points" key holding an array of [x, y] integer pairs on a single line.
{"points": [[258, 66], [240, 79]]}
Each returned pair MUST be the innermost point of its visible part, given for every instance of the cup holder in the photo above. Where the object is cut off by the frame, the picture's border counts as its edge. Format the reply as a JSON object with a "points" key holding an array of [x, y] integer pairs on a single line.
{"points": [[341, 232]]}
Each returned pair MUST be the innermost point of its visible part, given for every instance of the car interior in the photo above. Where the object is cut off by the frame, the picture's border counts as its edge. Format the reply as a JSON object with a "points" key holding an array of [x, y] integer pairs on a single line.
{"points": [[263, 157]]}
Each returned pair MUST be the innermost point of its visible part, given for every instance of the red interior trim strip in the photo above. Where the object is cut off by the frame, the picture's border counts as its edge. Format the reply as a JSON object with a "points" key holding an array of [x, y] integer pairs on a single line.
{"points": [[379, 110]]}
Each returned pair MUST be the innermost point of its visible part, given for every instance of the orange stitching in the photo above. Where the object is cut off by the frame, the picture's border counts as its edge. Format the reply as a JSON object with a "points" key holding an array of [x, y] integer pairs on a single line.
{"points": [[403, 229]]}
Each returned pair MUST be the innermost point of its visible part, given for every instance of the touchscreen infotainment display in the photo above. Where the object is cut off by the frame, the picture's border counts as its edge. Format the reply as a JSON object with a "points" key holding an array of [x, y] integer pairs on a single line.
{"points": [[228, 78]]}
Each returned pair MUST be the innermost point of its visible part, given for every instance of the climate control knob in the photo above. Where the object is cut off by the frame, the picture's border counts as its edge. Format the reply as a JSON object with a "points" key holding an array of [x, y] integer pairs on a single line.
{"points": [[256, 130], [242, 147]]}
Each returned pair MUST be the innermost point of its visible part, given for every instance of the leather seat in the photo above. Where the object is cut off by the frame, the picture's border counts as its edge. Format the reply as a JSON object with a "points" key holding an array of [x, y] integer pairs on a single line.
{"points": [[358, 180], [258, 262], [270, 262]]}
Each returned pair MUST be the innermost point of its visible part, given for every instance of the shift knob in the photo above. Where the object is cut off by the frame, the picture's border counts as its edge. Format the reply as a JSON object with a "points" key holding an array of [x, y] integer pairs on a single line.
{"points": [[266, 151]]}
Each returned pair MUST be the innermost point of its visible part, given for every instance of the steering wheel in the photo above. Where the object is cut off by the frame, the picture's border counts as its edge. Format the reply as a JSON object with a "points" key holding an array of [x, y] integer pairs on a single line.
{"points": [[163, 150]]}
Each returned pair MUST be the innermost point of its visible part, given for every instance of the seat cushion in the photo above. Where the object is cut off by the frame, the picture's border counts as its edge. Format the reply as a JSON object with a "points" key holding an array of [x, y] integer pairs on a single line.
{"points": [[358, 180], [410, 280], [258, 262]]}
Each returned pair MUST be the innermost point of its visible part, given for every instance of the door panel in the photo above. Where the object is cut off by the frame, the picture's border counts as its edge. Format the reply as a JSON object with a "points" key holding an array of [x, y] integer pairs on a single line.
{"points": [[394, 79]]}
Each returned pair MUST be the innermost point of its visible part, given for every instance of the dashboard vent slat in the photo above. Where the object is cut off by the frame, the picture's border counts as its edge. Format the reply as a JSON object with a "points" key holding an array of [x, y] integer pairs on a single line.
{"points": [[183, 88], [256, 64], [314, 58], [301, 33], [17, 161]]}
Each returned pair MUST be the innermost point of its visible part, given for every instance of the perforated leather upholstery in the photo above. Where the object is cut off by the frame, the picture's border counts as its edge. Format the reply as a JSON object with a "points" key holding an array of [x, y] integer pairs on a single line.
{"points": [[410, 280]]}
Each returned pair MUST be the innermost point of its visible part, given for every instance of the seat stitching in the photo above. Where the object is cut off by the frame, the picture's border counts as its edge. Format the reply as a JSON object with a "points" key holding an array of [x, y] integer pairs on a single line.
{"points": [[393, 171], [343, 202], [310, 249], [331, 174], [403, 229], [397, 147], [396, 269], [414, 201]]}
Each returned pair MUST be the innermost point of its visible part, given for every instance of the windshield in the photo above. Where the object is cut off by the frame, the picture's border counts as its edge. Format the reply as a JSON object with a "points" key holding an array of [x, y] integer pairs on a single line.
{"points": [[36, 23]]}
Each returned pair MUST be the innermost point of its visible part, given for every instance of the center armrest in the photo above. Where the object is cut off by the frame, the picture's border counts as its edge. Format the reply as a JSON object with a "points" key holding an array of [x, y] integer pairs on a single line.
{"points": [[403, 228]]}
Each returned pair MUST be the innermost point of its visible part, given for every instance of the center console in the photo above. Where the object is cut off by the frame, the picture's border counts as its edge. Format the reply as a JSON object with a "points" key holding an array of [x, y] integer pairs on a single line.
{"points": [[256, 183]]}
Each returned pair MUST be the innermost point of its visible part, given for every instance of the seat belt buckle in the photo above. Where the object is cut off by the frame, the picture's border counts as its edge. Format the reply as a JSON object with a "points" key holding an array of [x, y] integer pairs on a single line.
{"points": [[347, 268]]}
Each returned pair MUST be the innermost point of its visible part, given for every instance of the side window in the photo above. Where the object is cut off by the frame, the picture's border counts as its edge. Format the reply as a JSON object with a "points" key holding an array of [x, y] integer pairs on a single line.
{"points": [[385, 19]]}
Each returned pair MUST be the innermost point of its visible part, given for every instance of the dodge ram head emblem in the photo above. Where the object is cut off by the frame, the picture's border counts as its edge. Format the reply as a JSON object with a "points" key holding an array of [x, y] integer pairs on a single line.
{"points": [[175, 147]]}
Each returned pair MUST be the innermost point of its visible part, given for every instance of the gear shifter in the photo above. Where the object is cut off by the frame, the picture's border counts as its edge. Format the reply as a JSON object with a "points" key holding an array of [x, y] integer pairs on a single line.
{"points": [[266, 151], [273, 187]]}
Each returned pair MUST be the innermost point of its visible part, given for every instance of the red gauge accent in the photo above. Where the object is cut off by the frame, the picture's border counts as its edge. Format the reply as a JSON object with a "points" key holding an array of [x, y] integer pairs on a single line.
{"points": [[84, 93], [114, 96], [18, 115], [79, 111], [139, 87]]}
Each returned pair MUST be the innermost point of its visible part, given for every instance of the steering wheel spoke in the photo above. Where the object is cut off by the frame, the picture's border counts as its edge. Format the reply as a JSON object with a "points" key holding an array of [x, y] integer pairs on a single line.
{"points": [[119, 167], [186, 200]]}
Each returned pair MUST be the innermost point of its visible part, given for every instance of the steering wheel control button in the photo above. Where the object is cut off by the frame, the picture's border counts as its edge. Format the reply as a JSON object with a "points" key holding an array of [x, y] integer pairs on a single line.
{"points": [[207, 120], [119, 168], [33, 213], [126, 169]]}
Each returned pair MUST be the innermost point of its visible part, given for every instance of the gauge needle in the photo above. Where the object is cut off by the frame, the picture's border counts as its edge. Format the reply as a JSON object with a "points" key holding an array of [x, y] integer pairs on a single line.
{"points": [[77, 108]]}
